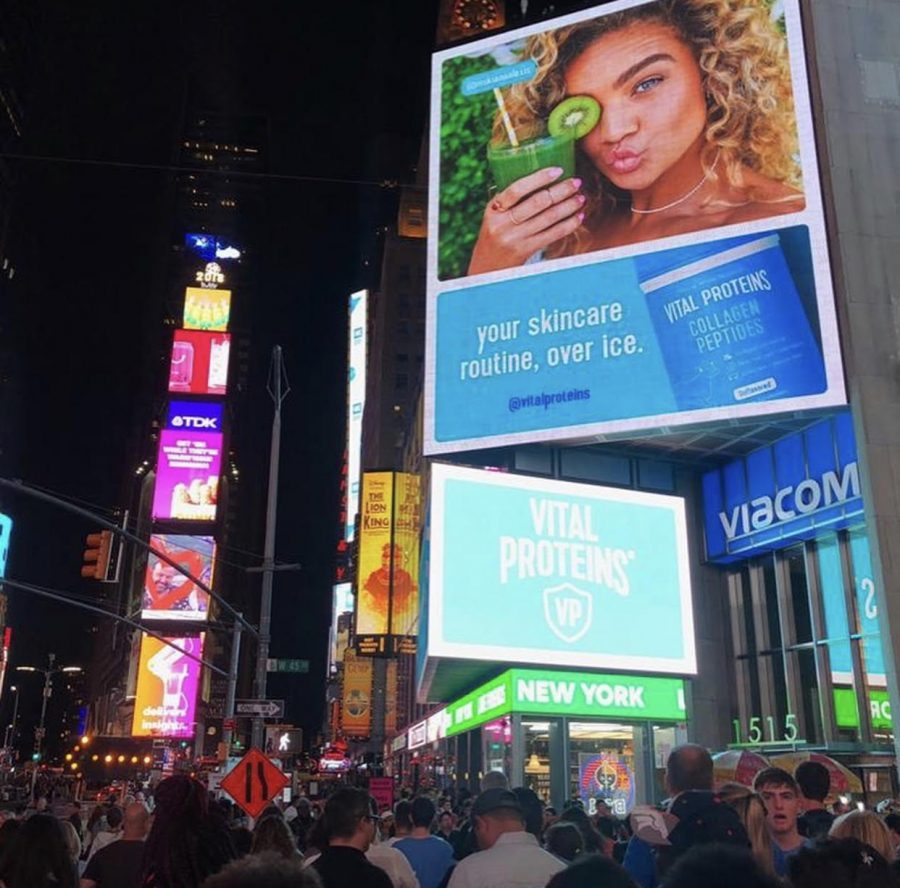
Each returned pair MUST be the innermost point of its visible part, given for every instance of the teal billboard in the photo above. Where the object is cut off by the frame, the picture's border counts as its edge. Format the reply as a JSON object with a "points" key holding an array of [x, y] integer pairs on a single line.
{"points": [[543, 572]]}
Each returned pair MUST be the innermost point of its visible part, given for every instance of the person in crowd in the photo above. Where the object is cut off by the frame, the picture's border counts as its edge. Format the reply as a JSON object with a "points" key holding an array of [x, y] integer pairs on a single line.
{"points": [[94, 824], [73, 843], [841, 863], [551, 816], [429, 856], [695, 816], [290, 812], [38, 856], [118, 865], [302, 823], [8, 832], [494, 780], [593, 841], [781, 796], [869, 828], [446, 827], [266, 870], [533, 809], [392, 861], [403, 824], [510, 855], [242, 840], [76, 820], [349, 824], [814, 782], [111, 833], [718, 866], [188, 841], [593, 871], [273, 834], [564, 840], [386, 824], [752, 812]]}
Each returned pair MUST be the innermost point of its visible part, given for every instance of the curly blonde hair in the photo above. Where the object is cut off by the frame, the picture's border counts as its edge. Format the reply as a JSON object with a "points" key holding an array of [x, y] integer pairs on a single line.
{"points": [[746, 78]]}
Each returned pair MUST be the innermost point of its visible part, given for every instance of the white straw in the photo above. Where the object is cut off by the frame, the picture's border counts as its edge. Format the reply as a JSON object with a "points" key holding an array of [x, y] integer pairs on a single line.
{"points": [[504, 116]]}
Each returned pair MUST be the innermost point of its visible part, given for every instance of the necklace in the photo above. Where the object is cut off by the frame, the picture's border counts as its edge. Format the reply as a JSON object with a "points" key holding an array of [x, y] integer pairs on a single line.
{"points": [[683, 198]]}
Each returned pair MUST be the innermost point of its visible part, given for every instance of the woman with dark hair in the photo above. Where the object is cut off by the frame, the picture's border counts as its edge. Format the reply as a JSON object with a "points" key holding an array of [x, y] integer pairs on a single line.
{"points": [[38, 856], [188, 841], [272, 834], [591, 871], [593, 841]]}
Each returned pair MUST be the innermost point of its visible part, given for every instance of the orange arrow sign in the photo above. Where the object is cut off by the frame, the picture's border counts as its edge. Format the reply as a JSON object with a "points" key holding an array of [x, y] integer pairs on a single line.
{"points": [[254, 782]]}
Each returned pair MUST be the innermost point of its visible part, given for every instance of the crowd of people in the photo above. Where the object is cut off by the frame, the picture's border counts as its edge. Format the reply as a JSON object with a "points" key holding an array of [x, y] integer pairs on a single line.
{"points": [[777, 833]]}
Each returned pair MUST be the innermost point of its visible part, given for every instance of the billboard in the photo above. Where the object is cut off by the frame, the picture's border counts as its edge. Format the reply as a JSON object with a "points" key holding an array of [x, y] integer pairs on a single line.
{"points": [[554, 574], [167, 687], [387, 601], [199, 363], [341, 603], [795, 489], [170, 595], [356, 401], [356, 697], [6, 525], [607, 216], [189, 462], [210, 247], [206, 309]]}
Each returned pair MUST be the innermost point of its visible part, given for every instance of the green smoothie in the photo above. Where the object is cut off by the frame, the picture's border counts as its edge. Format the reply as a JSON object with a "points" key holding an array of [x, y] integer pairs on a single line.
{"points": [[509, 164]]}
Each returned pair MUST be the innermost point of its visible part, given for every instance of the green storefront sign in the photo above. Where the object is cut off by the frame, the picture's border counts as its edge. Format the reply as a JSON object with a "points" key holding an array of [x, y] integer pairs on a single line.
{"points": [[573, 694], [847, 716]]}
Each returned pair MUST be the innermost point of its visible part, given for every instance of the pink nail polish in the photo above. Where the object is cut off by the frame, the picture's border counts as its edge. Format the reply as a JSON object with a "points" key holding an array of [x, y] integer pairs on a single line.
{"points": [[576, 183], [581, 198], [581, 217], [554, 172]]}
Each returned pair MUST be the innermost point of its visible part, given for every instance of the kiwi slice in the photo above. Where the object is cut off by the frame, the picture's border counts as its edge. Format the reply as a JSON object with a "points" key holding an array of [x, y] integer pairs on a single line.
{"points": [[577, 115]]}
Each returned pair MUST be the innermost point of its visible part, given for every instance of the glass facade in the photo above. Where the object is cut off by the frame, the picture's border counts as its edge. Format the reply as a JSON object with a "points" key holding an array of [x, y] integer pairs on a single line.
{"points": [[807, 647]]}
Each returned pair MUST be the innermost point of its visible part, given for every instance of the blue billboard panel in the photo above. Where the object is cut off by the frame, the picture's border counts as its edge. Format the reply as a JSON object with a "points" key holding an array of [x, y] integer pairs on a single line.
{"points": [[6, 525], [210, 247], [704, 332], [802, 485], [555, 574]]}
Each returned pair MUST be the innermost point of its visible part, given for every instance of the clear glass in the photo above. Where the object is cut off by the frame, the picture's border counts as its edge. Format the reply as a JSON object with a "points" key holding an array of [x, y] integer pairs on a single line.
{"points": [[537, 758]]}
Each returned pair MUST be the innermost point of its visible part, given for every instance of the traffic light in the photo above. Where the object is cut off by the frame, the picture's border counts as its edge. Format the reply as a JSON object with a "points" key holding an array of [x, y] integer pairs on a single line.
{"points": [[97, 556]]}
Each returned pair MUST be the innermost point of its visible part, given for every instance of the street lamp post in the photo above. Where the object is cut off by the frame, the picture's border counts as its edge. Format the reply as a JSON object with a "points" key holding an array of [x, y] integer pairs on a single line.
{"points": [[40, 730], [10, 736]]}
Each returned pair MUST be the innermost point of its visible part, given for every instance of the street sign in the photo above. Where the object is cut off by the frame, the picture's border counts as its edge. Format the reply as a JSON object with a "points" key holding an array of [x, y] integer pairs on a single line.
{"points": [[228, 724], [254, 782], [300, 666], [260, 708]]}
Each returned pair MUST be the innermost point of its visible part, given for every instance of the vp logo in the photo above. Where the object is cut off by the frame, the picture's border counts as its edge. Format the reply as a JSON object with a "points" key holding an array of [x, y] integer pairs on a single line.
{"points": [[568, 611]]}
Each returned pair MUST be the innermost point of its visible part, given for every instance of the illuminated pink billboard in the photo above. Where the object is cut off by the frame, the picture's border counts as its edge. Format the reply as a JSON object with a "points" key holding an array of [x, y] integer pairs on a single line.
{"points": [[166, 699], [189, 462]]}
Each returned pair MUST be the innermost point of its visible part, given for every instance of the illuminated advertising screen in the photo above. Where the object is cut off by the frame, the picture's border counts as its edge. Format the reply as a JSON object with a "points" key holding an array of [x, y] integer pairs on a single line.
{"points": [[189, 462], [626, 230], [167, 687], [341, 603], [206, 309], [356, 400], [356, 698], [388, 561], [199, 364], [170, 595], [6, 525], [210, 247], [575, 574]]}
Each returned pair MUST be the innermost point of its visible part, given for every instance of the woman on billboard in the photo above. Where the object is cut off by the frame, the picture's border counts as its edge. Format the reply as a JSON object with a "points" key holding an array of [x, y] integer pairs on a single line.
{"points": [[682, 118]]}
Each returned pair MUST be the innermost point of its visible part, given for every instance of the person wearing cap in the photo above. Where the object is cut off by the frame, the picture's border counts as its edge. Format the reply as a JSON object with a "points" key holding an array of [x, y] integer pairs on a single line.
{"points": [[510, 857]]}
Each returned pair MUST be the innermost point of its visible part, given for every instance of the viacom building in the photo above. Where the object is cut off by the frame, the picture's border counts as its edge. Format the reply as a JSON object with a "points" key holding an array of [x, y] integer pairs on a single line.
{"points": [[661, 397]]}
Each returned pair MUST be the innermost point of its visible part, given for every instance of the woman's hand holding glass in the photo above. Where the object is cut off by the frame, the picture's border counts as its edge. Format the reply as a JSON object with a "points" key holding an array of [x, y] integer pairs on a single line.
{"points": [[525, 218]]}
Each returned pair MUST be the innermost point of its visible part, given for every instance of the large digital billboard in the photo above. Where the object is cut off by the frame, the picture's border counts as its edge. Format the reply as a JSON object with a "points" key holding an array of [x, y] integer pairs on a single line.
{"points": [[206, 309], [553, 574], [387, 602], [341, 604], [167, 686], [356, 696], [199, 363], [170, 595], [189, 462], [211, 247], [356, 402], [626, 228]]}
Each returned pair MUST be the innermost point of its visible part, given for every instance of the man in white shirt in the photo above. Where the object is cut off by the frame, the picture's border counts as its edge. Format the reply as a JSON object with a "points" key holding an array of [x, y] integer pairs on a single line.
{"points": [[511, 857]]}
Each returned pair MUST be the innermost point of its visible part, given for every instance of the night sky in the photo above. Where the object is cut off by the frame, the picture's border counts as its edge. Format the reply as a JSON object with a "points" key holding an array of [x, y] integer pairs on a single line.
{"points": [[344, 86]]}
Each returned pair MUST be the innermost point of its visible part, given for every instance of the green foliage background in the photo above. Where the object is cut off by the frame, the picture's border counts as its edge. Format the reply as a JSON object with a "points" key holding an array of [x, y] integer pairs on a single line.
{"points": [[466, 123]]}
